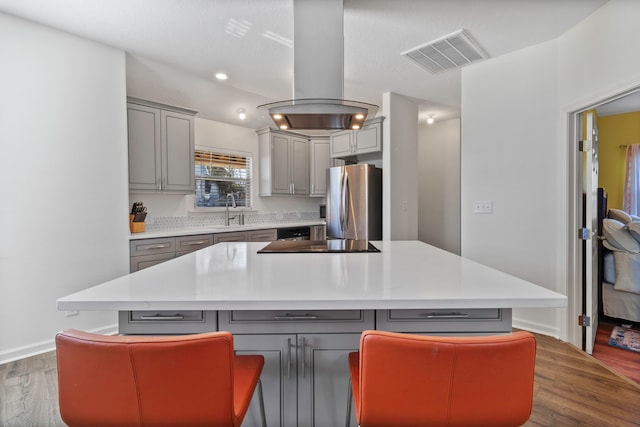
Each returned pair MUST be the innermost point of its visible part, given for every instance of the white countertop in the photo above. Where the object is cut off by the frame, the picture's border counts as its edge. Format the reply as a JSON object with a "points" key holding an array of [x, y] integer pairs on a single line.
{"points": [[233, 276], [222, 229]]}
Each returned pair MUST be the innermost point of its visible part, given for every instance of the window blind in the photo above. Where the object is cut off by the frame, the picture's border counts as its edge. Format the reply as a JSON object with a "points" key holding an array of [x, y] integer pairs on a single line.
{"points": [[218, 174]]}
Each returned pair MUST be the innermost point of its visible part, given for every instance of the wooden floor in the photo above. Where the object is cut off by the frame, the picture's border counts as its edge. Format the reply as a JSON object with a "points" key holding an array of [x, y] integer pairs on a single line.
{"points": [[623, 361], [571, 389]]}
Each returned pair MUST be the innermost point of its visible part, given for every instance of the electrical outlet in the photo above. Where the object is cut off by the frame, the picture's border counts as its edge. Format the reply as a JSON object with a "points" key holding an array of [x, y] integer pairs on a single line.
{"points": [[483, 207], [70, 313], [405, 205]]}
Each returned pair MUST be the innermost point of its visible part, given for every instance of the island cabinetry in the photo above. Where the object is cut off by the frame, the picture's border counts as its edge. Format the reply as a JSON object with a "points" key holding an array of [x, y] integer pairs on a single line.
{"points": [[310, 357], [353, 142], [284, 163], [161, 147], [449, 321], [320, 161], [153, 322]]}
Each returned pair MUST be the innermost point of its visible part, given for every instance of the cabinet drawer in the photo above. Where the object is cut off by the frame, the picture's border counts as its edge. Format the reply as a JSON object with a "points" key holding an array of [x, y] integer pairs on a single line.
{"points": [[152, 246], [239, 236], [262, 235], [167, 321], [296, 321], [445, 320], [186, 244]]}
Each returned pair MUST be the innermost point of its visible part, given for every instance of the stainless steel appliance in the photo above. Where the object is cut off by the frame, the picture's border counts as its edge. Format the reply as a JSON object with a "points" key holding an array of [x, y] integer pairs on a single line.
{"points": [[354, 202], [294, 233]]}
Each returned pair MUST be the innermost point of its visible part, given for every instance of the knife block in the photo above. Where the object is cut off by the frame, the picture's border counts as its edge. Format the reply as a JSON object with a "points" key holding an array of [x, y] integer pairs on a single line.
{"points": [[135, 227]]}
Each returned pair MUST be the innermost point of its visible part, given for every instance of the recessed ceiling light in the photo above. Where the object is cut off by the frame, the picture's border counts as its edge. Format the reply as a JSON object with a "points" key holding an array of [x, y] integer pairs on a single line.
{"points": [[221, 76], [430, 119], [242, 114]]}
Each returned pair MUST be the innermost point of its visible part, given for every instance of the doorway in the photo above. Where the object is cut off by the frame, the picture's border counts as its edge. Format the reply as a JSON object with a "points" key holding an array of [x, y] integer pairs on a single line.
{"points": [[583, 251]]}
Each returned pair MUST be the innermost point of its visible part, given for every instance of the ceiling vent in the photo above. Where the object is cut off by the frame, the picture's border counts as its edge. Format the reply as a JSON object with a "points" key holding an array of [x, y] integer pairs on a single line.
{"points": [[446, 53]]}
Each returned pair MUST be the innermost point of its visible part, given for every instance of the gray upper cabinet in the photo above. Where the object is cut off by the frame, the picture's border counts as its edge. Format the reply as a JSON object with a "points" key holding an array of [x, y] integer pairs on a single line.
{"points": [[284, 163], [320, 161], [353, 142], [161, 147]]}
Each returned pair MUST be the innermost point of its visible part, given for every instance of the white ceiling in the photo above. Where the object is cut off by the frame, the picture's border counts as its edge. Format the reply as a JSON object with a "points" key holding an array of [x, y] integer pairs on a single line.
{"points": [[201, 37]]}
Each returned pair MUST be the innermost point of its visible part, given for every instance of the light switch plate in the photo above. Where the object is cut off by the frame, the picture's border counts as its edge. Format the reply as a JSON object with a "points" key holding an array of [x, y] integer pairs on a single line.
{"points": [[483, 206]]}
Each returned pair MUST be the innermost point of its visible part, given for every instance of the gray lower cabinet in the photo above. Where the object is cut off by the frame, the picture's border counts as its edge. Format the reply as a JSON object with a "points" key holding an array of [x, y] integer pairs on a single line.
{"points": [[160, 322], [279, 378], [147, 252], [306, 374], [446, 321], [305, 377], [235, 236], [268, 235], [323, 378]]}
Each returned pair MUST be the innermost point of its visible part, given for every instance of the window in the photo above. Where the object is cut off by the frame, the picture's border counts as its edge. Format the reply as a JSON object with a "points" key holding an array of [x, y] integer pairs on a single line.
{"points": [[220, 173]]}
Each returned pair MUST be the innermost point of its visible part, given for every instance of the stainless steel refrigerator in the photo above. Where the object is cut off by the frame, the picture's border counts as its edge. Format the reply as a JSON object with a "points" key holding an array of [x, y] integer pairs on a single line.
{"points": [[354, 202]]}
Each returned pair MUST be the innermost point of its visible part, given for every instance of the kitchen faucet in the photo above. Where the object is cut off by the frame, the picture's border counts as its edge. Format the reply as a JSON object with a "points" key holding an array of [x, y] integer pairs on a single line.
{"points": [[233, 202]]}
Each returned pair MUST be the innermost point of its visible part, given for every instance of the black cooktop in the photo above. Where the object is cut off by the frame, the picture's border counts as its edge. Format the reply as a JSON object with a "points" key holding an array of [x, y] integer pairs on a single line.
{"points": [[318, 246]]}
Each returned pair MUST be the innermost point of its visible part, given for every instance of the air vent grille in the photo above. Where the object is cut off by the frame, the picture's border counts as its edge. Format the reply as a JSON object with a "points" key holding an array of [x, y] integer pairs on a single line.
{"points": [[446, 53]]}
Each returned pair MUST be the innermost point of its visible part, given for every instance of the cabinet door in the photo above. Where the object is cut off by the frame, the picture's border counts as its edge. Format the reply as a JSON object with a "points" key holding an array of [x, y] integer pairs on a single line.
{"points": [[341, 144], [145, 159], [280, 180], [368, 140], [178, 145], [278, 378], [320, 161], [299, 166], [323, 378]]}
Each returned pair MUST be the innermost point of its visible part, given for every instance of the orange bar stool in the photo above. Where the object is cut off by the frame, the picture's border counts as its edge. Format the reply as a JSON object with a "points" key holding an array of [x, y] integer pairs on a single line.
{"points": [[413, 380], [188, 380]]}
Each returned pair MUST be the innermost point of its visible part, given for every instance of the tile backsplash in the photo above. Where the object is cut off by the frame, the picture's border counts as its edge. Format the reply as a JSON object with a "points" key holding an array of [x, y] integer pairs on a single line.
{"points": [[209, 220]]}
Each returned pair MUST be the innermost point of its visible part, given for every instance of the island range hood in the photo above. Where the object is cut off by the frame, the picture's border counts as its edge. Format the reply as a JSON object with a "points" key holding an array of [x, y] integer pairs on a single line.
{"points": [[318, 73]]}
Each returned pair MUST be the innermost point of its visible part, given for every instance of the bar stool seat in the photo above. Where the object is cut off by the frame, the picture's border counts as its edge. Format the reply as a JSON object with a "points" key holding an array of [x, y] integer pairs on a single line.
{"points": [[413, 380]]}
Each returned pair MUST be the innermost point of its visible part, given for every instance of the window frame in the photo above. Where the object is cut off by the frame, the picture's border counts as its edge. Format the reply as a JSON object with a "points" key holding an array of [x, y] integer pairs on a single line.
{"points": [[225, 151]]}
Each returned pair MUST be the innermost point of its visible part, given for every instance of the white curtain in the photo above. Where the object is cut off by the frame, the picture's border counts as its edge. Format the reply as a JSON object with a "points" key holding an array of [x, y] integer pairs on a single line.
{"points": [[631, 202]]}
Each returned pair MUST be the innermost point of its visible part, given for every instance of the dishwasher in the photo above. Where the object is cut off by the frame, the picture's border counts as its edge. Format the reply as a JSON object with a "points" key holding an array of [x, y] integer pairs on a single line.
{"points": [[294, 233]]}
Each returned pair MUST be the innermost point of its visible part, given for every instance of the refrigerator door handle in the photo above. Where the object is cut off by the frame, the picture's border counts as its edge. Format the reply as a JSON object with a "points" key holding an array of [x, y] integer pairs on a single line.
{"points": [[343, 199], [347, 203]]}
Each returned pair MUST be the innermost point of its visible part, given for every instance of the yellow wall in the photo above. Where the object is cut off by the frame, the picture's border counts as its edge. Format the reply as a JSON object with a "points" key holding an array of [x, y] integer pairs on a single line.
{"points": [[614, 131]]}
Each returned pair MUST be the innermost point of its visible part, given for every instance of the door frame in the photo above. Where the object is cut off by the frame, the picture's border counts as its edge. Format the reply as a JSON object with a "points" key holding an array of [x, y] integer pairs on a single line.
{"points": [[574, 332]]}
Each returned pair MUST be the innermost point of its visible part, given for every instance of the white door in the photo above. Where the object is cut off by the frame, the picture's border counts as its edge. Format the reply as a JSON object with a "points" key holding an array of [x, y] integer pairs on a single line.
{"points": [[590, 258]]}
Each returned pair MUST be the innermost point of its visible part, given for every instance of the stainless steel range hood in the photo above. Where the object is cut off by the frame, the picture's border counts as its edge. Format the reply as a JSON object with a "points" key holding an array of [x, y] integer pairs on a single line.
{"points": [[318, 73]]}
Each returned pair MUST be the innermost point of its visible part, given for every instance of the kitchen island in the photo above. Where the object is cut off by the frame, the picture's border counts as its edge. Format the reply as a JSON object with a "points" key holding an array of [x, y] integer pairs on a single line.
{"points": [[305, 312]]}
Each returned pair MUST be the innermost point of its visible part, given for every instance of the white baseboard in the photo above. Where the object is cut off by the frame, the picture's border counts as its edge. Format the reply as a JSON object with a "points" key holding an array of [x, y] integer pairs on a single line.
{"points": [[538, 328], [45, 346]]}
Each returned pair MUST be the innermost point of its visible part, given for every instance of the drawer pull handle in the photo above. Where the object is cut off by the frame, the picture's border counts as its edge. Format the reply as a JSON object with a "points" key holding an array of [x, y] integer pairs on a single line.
{"points": [[295, 317], [158, 247], [201, 242], [161, 317], [446, 315]]}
